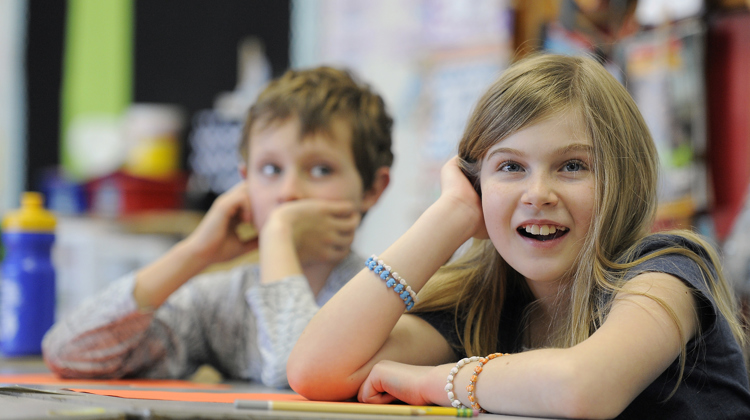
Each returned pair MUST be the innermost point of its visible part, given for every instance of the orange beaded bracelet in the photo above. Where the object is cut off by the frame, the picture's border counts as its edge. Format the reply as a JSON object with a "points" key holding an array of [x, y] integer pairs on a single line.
{"points": [[473, 381]]}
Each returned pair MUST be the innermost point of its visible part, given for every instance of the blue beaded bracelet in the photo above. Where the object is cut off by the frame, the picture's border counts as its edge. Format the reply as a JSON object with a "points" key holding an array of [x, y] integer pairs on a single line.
{"points": [[392, 279]]}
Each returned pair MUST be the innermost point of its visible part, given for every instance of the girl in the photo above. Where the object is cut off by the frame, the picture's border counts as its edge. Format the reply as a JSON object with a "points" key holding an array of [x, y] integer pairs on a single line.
{"points": [[581, 311]]}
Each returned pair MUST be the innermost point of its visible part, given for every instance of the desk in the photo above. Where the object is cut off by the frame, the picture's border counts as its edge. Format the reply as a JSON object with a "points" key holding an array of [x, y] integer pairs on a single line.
{"points": [[58, 401]]}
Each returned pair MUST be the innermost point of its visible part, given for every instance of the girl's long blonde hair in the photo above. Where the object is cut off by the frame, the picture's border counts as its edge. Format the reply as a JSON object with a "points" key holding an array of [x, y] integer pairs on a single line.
{"points": [[625, 169]]}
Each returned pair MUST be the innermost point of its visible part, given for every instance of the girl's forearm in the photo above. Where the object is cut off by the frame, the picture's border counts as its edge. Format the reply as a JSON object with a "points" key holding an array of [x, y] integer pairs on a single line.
{"points": [[545, 382], [336, 351]]}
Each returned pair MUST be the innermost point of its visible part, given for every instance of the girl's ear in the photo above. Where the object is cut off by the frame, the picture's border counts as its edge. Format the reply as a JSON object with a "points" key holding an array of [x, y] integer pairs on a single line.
{"points": [[242, 167], [382, 179]]}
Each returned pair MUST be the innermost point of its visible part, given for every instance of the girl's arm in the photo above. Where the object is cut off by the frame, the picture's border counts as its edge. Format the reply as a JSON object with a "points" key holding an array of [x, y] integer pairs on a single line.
{"points": [[355, 328], [598, 378]]}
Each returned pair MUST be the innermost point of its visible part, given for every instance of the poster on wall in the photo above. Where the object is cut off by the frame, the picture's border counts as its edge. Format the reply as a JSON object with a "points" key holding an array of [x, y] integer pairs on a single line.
{"points": [[664, 69]]}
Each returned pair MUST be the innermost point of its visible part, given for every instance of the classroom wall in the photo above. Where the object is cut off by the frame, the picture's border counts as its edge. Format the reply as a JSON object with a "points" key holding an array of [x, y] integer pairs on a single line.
{"points": [[184, 53], [431, 59], [12, 101], [683, 62]]}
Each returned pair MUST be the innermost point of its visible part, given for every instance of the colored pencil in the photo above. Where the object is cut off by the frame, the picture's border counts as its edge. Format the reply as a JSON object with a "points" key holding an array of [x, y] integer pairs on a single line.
{"points": [[322, 407]]}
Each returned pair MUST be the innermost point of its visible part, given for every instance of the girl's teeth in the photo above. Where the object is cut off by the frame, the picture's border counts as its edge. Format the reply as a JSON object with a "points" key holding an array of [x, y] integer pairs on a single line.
{"points": [[540, 229]]}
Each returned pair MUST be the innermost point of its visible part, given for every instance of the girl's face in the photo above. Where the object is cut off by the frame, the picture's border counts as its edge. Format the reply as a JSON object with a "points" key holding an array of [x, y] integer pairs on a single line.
{"points": [[538, 198]]}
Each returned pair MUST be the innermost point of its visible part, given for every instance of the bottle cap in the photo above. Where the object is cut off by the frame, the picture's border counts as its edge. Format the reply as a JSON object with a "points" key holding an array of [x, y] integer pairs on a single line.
{"points": [[32, 216]]}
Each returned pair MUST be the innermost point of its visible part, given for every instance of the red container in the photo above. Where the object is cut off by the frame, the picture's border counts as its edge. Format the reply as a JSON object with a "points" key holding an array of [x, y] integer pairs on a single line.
{"points": [[121, 194], [728, 90]]}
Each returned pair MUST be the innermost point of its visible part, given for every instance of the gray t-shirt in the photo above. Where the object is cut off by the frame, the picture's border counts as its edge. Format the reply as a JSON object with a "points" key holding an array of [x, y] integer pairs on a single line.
{"points": [[715, 381], [227, 319]]}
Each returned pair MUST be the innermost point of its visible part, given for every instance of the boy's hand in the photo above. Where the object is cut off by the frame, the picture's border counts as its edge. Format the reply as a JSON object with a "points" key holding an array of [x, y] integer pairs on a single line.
{"points": [[216, 239], [457, 188], [320, 230]]}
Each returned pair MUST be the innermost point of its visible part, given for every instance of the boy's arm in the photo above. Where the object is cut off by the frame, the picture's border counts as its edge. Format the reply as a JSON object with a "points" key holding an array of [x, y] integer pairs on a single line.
{"points": [[214, 240], [282, 310], [299, 233], [115, 333], [108, 337]]}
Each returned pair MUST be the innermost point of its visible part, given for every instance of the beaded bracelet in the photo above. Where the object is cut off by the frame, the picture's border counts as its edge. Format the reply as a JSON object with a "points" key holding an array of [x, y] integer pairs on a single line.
{"points": [[449, 385], [472, 383], [473, 380], [392, 279]]}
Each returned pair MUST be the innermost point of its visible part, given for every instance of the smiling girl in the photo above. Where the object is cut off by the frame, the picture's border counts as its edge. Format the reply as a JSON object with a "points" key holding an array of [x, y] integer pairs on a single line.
{"points": [[569, 307]]}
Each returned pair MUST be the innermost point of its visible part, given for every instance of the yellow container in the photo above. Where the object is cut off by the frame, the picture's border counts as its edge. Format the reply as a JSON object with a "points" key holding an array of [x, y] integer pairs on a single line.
{"points": [[152, 142], [156, 157], [31, 217]]}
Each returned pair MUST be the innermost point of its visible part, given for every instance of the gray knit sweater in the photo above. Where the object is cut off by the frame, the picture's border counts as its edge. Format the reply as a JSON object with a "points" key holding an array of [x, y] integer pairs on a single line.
{"points": [[228, 319]]}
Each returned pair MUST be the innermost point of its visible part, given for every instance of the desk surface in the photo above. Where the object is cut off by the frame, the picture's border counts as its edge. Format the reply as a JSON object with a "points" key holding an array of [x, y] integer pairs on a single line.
{"points": [[57, 401], [22, 365]]}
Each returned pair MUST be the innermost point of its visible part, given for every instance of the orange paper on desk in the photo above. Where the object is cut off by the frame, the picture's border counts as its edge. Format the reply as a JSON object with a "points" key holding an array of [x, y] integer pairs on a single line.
{"points": [[214, 397], [51, 379]]}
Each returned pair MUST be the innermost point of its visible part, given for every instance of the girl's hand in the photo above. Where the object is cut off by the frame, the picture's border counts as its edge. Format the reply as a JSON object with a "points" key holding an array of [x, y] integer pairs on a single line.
{"points": [[321, 230], [389, 381], [216, 239], [457, 188]]}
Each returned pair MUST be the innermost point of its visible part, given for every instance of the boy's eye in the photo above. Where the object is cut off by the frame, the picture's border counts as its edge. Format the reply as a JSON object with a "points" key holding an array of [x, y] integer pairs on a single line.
{"points": [[319, 171], [509, 166], [270, 169], [574, 166]]}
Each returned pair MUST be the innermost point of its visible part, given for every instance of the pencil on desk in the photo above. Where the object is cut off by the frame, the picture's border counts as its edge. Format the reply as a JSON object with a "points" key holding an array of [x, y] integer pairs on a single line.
{"points": [[321, 407]]}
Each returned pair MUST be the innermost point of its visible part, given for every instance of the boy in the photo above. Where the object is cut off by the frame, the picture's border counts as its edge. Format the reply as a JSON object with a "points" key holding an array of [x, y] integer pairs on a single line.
{"points": [[317, 151]]}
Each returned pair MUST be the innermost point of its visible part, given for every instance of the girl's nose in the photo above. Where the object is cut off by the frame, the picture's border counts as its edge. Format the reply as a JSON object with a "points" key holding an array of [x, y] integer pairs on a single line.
{"points": [[540, 192], [291, 188]]}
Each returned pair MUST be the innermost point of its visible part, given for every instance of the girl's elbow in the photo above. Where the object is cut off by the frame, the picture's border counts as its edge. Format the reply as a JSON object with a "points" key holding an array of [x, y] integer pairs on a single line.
{"points": [[300, 378], [305, 379], [315, 389], [315, 383]]}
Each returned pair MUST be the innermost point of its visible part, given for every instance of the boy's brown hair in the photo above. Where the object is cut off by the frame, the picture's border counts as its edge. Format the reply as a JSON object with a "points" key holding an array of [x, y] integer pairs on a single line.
{"points": [[317, 96]]}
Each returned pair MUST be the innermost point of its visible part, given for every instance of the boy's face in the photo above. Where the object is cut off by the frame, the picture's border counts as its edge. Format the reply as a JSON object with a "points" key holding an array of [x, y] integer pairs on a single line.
{"points": [[282, 167]]}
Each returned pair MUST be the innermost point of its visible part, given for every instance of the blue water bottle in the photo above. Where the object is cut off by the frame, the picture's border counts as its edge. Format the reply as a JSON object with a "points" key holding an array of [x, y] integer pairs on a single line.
{"points": [[27, 278]]}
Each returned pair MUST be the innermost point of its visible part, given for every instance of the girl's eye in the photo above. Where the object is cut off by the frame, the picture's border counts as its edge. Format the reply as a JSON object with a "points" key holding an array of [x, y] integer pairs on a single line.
{"points": [[510, 167], [574, 166], [270, 169], [319, 171]]}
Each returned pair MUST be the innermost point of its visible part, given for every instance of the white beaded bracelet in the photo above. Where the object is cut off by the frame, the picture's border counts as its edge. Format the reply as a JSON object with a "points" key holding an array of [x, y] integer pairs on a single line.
{"points": [[449, 382]]}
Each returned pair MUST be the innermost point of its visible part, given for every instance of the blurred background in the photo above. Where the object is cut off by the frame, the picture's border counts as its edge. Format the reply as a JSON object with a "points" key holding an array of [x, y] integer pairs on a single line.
{"points": [[126, 114]]}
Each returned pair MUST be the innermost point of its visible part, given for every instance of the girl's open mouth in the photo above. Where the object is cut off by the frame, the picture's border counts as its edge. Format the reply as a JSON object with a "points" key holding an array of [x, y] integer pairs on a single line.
{"points": [[542, 232]]}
